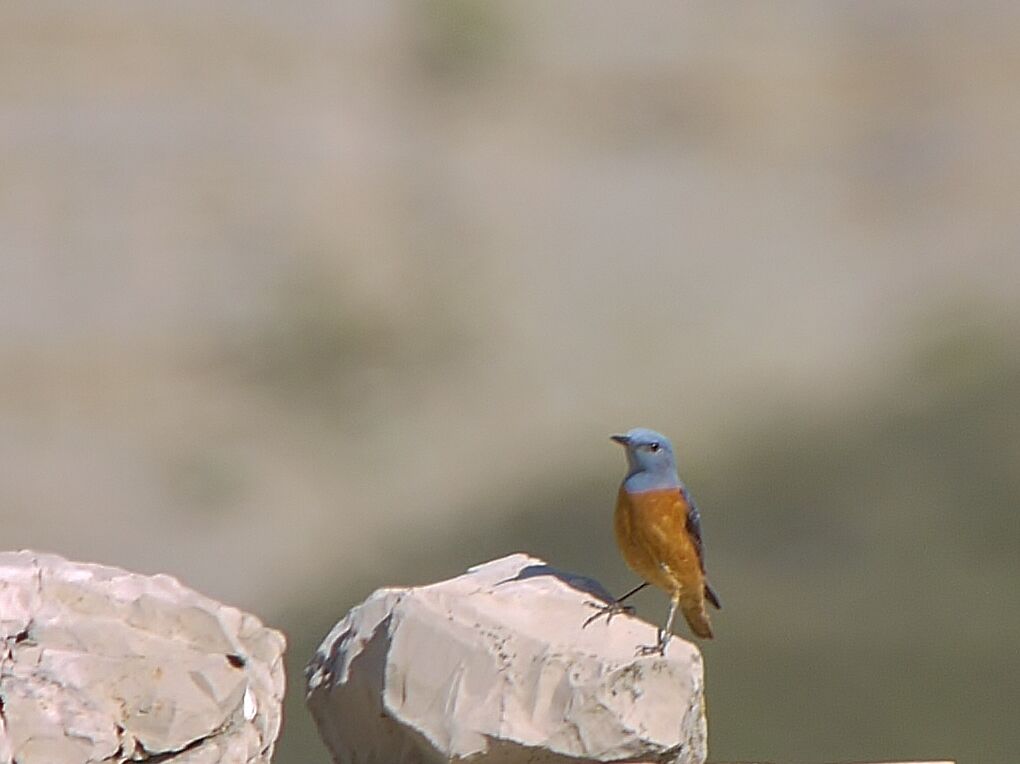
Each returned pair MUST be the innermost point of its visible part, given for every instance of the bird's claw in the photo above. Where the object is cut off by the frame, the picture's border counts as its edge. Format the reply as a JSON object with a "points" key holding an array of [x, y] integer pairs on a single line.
{"points": [[659, 648], [606, 609]]}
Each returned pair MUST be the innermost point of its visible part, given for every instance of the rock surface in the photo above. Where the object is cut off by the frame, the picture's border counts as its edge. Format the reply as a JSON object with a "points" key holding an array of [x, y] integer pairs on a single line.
{"points": [[493, 666], [99, 664]]}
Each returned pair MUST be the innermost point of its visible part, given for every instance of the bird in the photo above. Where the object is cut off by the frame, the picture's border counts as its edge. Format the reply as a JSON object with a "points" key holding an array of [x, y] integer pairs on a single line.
{"points": [[658, 531]]}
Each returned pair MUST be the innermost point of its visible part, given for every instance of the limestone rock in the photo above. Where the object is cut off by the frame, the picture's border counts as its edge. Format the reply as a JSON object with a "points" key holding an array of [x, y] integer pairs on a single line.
{"points": [[99, 664], [493, 666]]}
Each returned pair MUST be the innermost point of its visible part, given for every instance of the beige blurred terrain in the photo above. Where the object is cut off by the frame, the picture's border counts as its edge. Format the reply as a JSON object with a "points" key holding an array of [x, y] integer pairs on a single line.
{"points": [[300, 300]]}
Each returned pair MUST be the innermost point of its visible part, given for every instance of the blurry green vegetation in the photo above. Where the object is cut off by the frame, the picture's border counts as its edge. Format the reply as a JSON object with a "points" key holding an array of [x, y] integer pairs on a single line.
{"points": [[332, 353], [866, 559], [317, 340], [461, 39], [205, 481]]}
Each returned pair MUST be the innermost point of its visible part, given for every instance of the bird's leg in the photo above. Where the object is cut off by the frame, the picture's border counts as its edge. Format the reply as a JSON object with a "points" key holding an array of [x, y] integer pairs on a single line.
{"points": [[665, 633], [613, 608]]}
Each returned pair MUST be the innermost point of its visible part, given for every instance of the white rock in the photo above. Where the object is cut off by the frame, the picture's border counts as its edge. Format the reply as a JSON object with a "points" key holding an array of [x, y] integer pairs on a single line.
{"points": [[494, 664], [99, 664]]}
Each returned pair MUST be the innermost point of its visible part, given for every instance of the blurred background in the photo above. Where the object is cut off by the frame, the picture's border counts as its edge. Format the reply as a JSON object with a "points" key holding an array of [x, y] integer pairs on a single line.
{"points": [[301, 300]]}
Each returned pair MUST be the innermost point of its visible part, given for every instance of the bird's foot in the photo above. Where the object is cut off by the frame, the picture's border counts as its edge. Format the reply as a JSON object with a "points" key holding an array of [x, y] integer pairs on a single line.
{"points": [[608, 610], [659, 648]]}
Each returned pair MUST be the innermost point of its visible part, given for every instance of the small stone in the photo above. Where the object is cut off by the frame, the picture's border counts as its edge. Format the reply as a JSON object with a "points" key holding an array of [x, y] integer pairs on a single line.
{"points": [[100, 664], [494, 666]]}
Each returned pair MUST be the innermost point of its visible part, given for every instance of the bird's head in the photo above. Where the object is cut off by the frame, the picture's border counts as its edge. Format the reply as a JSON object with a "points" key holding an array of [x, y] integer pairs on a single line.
{"points": [[650, 455]]}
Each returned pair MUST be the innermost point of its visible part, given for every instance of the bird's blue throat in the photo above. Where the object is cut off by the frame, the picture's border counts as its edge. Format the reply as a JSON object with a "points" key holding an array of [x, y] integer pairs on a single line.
{"points": [[645, 480]]}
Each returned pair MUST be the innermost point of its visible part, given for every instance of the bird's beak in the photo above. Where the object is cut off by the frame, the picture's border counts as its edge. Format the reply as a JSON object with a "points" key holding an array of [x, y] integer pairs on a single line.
{"points": [[623, 440]]}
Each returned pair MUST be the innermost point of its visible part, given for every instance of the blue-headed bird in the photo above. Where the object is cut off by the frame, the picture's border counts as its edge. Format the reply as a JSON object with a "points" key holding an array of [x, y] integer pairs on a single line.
{"points": [[658, 530]]}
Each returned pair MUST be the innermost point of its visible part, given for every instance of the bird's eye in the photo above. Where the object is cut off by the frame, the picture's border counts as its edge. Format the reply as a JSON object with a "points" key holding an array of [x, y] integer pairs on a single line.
{"points": [[654, 447]]}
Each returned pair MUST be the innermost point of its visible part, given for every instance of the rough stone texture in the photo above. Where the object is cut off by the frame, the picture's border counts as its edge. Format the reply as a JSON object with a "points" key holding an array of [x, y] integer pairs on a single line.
{"points": [[494, 666], [99, 664]]}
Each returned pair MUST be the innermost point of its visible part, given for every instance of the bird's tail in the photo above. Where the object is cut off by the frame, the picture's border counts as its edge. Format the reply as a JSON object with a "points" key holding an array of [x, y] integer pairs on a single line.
{"points": [[697, 619]]}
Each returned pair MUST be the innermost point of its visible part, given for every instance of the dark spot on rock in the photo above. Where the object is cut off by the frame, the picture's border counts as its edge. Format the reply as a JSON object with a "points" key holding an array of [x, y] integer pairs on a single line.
{"points": [[235, 660]]}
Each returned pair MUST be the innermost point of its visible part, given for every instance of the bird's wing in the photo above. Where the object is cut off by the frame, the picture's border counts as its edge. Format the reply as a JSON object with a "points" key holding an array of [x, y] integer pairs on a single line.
{"points": [[694, 524], [694, 530], [712, 597]]}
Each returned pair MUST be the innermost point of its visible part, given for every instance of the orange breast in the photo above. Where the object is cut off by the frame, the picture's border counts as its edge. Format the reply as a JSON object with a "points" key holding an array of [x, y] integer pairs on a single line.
{"points": [[651, 530]]}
